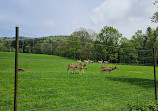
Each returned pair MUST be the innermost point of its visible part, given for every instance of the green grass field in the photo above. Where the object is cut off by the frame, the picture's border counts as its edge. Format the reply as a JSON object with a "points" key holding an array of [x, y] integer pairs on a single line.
{"points": [[45, 85]]}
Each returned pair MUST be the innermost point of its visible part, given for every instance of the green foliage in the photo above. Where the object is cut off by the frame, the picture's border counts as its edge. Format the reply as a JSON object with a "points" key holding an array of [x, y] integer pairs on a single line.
{"points": [[149, 106], [2, 48], [37, 49], [109, 37], [107, 45], [137, 40], [154, 18]]}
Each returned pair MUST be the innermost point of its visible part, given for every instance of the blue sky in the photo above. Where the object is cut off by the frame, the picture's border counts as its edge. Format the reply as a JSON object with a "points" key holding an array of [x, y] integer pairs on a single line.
{"points": [[63, 17]]}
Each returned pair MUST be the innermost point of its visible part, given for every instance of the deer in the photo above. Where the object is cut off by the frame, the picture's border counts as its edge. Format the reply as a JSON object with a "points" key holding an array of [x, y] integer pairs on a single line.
{"points": [[21, 70], [105, 62], [74, 66], [100, 61], [79, 61], [90, 61], [85, 61], [107, 68], [81, 67]]}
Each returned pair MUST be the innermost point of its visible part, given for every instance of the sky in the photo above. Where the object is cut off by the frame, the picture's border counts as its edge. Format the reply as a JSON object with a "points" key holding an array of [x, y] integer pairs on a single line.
{"points": [[63, 17]]}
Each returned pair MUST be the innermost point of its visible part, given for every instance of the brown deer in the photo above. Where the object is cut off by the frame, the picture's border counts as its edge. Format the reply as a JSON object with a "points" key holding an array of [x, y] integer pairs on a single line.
{"points": [[81, 67], [79, 61], [85, 61], [21, 70], [107, 68], [90, 61], [106, 62], [74, 66], [100, 61]]}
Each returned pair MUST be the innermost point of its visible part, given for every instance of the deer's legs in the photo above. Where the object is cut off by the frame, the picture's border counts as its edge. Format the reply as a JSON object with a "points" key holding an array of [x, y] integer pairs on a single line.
{"points": [[68, 70], [73, 70], [109, 73]]}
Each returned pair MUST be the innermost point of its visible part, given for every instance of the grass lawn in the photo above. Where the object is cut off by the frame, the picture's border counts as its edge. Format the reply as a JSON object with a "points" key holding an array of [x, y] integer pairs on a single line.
{"points": [[45, 84]]}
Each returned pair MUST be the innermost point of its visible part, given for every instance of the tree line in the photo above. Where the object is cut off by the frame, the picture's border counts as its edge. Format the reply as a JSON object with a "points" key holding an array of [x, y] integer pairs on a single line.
{"points": [[109, 44]]}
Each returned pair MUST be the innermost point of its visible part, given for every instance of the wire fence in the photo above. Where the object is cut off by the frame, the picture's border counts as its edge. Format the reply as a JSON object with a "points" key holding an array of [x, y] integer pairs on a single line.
{"points": [[45, 84]]}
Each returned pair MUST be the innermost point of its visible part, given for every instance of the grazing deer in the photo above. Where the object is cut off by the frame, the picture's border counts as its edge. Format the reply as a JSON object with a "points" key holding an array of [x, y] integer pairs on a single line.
{"points": [[106, 62], [81, 67], [107, 68], [74, 66], [85, 61], [79, 61], [90, 61], [100, 61], [21, 70]]}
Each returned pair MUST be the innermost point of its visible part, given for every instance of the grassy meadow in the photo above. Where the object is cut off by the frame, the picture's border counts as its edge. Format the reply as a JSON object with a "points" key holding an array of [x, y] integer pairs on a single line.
{"points": [[45, 85]]}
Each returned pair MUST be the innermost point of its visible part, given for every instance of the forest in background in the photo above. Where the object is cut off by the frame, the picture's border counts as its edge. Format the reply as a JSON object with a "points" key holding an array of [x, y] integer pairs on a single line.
{"points": [[109, 44]]}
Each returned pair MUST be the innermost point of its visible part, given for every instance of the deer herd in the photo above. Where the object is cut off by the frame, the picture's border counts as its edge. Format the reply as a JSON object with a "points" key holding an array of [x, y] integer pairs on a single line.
{"points": [[80, 67]]}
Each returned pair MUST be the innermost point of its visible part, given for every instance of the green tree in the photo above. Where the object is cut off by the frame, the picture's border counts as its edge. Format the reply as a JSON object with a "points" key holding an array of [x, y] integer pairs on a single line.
{"points": [[73, 44], [127, 52], [109, 37], [46, 48], [37, 48], [138, 40], [2, 48], [27, 49], [154, 18]]}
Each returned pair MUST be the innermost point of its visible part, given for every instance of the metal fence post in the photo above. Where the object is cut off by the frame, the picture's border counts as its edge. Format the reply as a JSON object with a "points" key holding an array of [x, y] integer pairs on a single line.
{"points": [[16, 68], [154, 63]]}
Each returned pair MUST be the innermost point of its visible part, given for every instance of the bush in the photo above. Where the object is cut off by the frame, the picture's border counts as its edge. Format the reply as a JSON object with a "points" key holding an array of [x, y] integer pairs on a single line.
{"points": [[150, 106]]}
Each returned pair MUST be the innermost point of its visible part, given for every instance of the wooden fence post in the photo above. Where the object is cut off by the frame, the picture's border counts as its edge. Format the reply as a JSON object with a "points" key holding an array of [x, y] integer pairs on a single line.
{"points": [[154, 63], [16, 68]]}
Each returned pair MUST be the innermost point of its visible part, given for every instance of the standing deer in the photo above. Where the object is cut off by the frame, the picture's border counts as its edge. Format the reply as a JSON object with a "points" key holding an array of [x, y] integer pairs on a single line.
{"points": [[107, 68], [81, 67], [100, 61], [85, 61], [90, 61], [74, 66], [79, 61], [106, 62]]}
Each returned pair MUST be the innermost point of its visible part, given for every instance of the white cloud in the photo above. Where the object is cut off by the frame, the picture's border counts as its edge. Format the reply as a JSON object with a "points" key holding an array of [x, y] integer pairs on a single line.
{"points": [[127, 16], [110, 10]]}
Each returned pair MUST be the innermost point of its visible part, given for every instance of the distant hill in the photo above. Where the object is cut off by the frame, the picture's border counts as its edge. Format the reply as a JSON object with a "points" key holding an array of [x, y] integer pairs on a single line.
{"points": [[60, 37]]}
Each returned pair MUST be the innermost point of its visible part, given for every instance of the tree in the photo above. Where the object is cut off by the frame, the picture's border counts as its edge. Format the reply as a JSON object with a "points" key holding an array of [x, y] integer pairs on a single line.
{"points": [[154, 18], [73, 44], [109, 37], [148, 43], [2, 48], [37, 48], [27, 49], [127, 52], [83, 35], [138, 40], [84, 48]]}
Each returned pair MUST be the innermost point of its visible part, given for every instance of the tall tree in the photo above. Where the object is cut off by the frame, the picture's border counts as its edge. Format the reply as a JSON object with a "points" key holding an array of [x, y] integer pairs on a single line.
{"points": [[154, 18], [138, 40], [109, 37]]}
